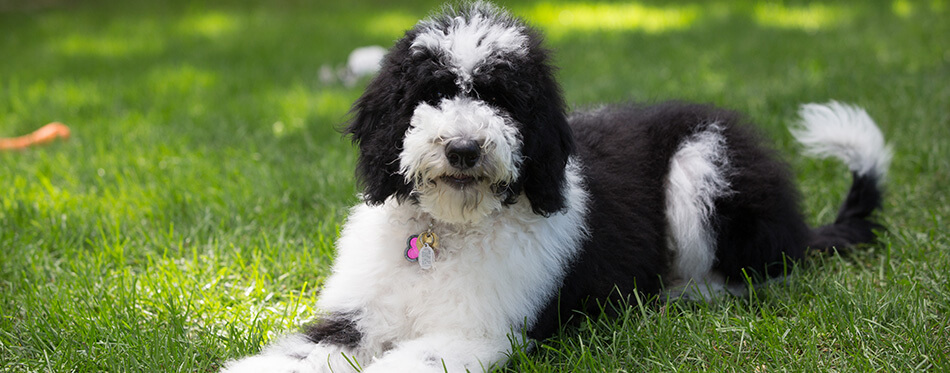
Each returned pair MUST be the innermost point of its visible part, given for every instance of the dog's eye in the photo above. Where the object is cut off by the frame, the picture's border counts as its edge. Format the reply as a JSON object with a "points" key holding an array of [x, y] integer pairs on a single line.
{"points": [[435, 97], [488, 95], [437, 94]]}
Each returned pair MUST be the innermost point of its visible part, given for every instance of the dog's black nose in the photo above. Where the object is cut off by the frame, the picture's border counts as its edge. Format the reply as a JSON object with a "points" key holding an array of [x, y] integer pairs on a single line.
{"points": [[462, 154]]}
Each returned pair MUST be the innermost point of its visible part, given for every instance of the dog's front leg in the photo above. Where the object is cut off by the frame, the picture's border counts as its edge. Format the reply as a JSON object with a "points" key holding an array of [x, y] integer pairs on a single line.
{"points": [[296, 353], [444, 353]]}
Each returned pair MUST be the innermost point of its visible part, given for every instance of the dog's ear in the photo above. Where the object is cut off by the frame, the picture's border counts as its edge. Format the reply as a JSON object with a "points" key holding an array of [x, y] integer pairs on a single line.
{"points": [[378, 123], [547, 138], [546, 149]]}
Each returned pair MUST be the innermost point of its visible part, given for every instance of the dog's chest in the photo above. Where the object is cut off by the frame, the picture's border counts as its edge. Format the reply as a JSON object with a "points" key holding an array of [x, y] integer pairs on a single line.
{"points": [[496, 276]]}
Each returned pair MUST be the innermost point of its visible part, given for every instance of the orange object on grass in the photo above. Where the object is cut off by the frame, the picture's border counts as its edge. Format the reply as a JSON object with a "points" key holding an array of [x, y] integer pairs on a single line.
{"points": [[43, 135]]}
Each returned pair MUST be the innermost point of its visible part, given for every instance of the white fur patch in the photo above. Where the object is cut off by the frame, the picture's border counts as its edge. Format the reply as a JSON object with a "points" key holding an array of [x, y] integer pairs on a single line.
{"points": [[423, 161], [698, 175], [845, 132], [467, 44]]}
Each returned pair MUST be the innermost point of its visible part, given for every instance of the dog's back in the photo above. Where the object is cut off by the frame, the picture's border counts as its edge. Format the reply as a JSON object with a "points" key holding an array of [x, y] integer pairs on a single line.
{"points": [[732, 212]]}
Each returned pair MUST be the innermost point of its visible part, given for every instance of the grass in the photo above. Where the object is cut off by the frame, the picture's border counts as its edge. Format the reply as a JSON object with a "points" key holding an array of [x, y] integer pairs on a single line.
{"points": [[191, 217]]}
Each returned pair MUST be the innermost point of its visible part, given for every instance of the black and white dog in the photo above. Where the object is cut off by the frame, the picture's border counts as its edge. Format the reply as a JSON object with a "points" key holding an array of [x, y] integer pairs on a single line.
{"points": [[490, 215]]}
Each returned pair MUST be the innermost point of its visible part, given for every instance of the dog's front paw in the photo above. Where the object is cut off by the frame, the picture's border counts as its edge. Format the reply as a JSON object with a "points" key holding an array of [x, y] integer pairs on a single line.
{"points": [[427, 363], [294, 353], [389, 365], [267, 363]]}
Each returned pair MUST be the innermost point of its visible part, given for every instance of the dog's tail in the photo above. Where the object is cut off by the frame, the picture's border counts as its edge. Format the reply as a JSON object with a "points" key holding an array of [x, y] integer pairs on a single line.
{"points": [[849, 134]]}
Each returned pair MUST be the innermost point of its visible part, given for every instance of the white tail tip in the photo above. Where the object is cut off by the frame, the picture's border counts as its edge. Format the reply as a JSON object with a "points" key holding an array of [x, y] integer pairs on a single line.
{"points": [[845, 132]]}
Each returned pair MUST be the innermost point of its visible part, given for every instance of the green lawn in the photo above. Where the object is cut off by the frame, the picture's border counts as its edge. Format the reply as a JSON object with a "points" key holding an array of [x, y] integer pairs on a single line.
{"points": [[191, 218]]}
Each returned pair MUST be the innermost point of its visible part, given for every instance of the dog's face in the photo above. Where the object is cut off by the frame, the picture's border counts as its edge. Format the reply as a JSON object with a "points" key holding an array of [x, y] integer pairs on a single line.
{"points": [[464, 118]]}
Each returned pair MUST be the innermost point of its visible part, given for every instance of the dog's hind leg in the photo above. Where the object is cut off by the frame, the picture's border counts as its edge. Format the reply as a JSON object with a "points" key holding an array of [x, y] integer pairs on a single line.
{"points": [[697, 177]]}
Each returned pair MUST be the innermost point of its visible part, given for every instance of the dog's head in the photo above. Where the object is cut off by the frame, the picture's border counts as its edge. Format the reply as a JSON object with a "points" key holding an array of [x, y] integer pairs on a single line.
{"points": [[464, 118]]}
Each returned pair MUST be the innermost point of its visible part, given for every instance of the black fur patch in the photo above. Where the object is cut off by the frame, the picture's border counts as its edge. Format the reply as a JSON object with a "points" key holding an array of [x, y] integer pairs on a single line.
{"points": [[338, 329], [380, 120]]}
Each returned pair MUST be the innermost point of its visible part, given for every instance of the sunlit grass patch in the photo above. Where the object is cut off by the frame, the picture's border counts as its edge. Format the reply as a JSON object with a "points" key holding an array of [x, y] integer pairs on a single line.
{"points": [[120, 38], [563, 18], [211, 25], [811, 17], [297, 105]]}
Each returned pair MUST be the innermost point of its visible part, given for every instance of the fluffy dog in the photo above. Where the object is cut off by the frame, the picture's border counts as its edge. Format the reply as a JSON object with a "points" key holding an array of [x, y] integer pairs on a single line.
{"points": [[490, 215]]}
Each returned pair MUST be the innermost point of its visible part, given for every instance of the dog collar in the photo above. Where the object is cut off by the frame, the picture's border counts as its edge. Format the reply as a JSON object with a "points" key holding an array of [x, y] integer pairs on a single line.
{"points": [[420, 248]]}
